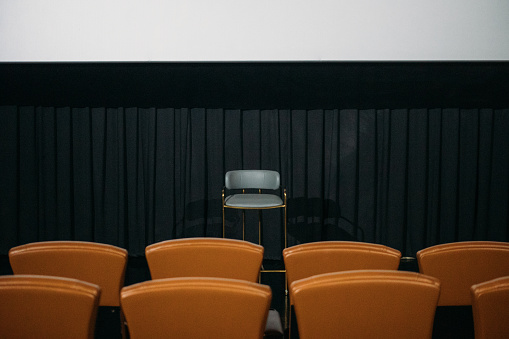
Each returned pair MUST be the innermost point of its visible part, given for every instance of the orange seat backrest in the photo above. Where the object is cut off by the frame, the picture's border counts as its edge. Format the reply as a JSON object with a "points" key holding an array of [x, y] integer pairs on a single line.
{"points": [[196, 308], [100, 264], [306, 260], [490, 307], [35, 306], [366, 304], [460, 265], [205, 257]]}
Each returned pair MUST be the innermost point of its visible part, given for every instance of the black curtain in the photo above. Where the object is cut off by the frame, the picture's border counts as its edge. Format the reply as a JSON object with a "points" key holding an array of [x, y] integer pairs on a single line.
{"points": [[406, 178]]}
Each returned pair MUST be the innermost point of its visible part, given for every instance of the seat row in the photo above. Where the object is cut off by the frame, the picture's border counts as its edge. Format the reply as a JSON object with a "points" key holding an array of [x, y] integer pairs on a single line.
{"points": [[207, 287], [190, 278], [334, 288]]}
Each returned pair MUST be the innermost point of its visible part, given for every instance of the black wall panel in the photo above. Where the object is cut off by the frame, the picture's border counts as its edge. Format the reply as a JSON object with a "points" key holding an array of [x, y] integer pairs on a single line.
{"points": [[258, 85]]}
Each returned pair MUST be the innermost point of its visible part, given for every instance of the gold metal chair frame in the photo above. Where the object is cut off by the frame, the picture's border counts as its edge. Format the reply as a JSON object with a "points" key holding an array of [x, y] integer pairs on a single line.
{"points": [[259, 215], [284, 205]]}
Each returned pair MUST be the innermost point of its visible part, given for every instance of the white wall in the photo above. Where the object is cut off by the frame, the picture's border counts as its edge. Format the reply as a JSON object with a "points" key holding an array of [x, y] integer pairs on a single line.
{"points": [[253, 30]]}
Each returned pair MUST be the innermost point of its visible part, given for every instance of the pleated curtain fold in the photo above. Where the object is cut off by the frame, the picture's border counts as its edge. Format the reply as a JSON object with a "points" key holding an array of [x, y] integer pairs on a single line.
{"points": [[406, 178]]}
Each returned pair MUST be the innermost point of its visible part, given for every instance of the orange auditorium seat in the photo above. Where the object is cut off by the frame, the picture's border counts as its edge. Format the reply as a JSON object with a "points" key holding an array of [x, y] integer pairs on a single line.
{"points": [[36, 306]]}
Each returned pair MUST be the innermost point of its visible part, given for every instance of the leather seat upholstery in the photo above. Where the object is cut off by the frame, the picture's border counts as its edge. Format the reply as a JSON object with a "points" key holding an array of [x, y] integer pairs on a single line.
{"points": [[205, 257], [309, 259], [210, 257], [490, 307], [97, 263], [460, 265], [196, 307], [366, 304], [305, 260], [100, 264], [36, 306]]}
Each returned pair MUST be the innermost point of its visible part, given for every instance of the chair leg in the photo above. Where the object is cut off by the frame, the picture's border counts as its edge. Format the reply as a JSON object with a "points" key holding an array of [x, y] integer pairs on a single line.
{"points": [[289, 315], [287, 306], [259, 227], [222, 199], [285, 219], [123, 326], [286, 240], [223, 222], [243, 224]]}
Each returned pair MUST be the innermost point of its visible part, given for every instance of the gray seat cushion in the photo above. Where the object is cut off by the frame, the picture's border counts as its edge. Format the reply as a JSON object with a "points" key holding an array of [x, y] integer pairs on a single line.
{"points": [[253, 200]]}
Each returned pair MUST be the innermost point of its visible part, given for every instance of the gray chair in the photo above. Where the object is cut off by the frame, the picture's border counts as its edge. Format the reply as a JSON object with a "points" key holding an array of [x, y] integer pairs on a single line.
{"points": [[249, 181], [255, 190]]}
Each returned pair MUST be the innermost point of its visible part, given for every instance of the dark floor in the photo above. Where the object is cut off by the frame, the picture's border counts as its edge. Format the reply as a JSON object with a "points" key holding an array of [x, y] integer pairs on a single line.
{"points": [[450, 322]]}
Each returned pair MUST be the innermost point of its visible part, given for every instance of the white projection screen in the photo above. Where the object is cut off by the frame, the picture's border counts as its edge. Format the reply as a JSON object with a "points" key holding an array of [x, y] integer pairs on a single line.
{"points": [[253, 30]]}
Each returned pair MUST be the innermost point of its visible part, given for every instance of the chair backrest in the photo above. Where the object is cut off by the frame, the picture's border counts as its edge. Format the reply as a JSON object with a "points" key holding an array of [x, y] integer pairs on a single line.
{"points": [[205, 257], [35, 306], [100, 264], [305, 260], [490, 308], [460, 265], [196, 308], [247, 179], [366, 304]]}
